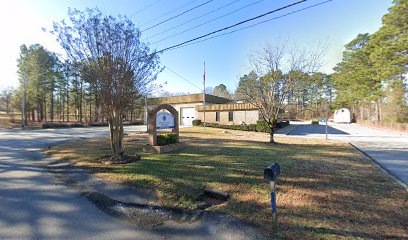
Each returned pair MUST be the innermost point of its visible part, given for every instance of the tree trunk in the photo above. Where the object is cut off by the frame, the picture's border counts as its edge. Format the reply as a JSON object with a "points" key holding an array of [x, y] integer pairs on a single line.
{"points": [[52, 106], [90, 103], [90, 110], [84, 111], [25, 117], [45, 109], [62, 108], [272, 131], [81, 99], [7, 106], [67, 100], [38, 112], [116, 135], [271, 139], [377, 109], [41, 111], [370, 118], [131, 110], [97, 109]]}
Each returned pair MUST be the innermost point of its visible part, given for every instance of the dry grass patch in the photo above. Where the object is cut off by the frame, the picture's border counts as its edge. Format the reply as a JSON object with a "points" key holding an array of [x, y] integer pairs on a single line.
{"points": [[327, 189]]}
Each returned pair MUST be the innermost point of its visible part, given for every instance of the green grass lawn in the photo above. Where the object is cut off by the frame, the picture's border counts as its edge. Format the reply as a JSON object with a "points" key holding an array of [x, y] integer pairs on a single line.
{"points": [[327, 189]]}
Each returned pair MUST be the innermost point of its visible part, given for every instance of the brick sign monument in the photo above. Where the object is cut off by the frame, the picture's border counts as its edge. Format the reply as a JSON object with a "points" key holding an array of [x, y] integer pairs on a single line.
{"points": [[163, 120]]}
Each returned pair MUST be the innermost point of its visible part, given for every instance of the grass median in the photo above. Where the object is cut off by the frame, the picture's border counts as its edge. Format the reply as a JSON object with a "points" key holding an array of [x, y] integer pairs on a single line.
{"points": [[327, 189]]}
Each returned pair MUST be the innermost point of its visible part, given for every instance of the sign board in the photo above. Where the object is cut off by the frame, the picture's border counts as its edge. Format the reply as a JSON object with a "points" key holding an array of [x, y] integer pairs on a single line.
{"points": [[164, 120]]}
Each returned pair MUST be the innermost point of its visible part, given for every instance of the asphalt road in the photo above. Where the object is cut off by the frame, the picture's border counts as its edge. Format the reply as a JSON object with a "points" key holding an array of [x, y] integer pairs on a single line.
{"points": [[34, 204], [389, 149]]}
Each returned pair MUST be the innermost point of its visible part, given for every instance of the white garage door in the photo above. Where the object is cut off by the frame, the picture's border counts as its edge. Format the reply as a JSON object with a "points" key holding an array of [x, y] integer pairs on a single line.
{"points": [[187, 116]]}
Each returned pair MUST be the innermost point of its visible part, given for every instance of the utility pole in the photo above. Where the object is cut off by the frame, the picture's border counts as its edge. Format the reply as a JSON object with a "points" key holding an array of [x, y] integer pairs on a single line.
{"points": [[146, 114], [327, 119], [328, 104], [204, 92]]}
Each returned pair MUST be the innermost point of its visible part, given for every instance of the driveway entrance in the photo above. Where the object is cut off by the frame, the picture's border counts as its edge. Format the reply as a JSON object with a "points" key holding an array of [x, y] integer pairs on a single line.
{"points": [[389, 149]]}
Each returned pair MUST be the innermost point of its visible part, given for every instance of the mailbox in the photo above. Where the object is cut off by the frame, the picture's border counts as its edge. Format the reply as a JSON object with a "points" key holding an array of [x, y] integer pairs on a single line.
{"points": [[272, 173]]}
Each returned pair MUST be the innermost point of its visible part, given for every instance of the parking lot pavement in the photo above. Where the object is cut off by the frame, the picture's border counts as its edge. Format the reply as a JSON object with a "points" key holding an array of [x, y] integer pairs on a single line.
{"points": [[388, 149]]}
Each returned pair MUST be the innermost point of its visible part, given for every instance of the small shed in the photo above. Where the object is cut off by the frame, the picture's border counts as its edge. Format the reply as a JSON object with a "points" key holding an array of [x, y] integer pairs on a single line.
{"points": [[342, 115]]}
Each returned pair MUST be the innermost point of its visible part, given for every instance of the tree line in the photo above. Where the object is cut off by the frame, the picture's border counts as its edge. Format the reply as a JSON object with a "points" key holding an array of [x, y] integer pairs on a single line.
{"points": [[57, 90], [371, 79], [107, 73]]}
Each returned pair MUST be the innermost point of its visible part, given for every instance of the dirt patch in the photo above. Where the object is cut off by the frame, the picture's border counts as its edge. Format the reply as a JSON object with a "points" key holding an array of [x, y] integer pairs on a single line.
{"points": [[125, 159]]}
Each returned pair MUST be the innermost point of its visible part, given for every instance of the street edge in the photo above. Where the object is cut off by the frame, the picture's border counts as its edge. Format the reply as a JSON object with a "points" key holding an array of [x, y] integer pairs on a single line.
{"points": [[396, 178]]}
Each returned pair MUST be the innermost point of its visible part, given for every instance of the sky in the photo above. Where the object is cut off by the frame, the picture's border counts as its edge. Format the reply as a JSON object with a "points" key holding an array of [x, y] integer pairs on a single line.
{"points": [[334, 24]]}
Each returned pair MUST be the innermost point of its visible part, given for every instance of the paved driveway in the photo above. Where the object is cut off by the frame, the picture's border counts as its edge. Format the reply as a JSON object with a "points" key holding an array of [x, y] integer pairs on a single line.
{"points": [[389, 149], [34, 204]]}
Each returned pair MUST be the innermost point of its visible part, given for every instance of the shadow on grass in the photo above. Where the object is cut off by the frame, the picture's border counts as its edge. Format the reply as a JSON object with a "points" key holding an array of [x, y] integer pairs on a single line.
{"points": [[326, 190]]}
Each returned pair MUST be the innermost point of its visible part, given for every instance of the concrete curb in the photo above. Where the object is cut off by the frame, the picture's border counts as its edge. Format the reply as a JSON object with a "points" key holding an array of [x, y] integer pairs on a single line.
{"points": [[388, 172]]}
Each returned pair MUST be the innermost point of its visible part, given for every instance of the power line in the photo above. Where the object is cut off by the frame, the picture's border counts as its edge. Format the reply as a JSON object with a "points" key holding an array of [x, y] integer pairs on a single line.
{"points": [[178, 15], [172, 11], [212, 20], [234, 25], [193, 19], [148, 6], [182, 77], [256, 24]]}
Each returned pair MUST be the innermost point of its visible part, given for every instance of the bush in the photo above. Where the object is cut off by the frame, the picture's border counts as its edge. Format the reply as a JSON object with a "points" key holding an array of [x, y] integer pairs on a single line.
{"points": [[216, 125], [166, 139], [196, 122], [133, 123], [262, 126], [98, 124], [252, 127], [76, 125], [61, 125], [92, 124]]}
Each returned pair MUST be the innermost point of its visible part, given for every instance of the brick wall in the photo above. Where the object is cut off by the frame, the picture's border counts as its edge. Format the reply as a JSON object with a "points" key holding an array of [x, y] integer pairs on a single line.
{"points": [[247, 117]]}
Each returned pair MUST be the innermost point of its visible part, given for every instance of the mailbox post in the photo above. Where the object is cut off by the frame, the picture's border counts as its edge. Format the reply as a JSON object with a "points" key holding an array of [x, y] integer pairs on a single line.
{"points": [[271, 175]]}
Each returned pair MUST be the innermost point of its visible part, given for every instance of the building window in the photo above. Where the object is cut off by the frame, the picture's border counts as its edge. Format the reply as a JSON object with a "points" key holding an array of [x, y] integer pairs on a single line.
{"points": [[230, 116], [217, 116]]}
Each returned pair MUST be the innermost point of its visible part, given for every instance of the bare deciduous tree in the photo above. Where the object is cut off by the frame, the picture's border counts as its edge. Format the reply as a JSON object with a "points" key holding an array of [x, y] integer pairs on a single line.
{"points": [[276, 69], [113, 59], [5, 99]]}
